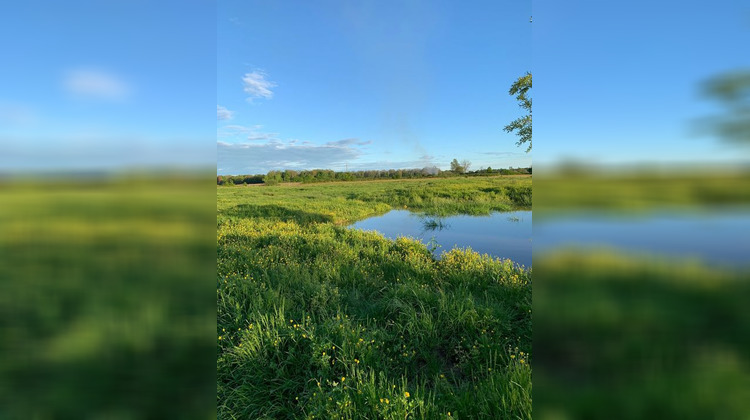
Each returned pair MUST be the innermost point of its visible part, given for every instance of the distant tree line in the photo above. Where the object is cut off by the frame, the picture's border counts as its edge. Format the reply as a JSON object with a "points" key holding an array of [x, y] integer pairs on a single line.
{"points": [[327, 175]]}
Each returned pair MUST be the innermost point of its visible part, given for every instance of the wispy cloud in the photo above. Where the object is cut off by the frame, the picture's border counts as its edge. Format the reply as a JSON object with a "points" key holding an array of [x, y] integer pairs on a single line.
{"points": [[256, 85], [349, 142], [96, 84], [241, 128], [250, 158], [241, 133], [223, 113]]}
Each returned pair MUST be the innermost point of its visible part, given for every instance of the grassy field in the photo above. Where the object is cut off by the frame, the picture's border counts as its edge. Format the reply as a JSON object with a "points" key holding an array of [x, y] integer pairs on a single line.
{"points": [[632, 338], [318, 321], [106, 312], [640, 192]]}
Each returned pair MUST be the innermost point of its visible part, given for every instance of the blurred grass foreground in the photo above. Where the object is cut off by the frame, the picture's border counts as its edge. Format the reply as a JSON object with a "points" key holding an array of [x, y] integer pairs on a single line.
{"points": [[107, 302], [620, 334]]}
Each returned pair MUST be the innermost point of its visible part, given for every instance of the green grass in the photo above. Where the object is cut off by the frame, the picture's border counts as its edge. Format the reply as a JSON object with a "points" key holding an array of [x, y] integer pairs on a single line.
{"points": [[626, 337], [319, 321], [641, 192], [106, 312]]}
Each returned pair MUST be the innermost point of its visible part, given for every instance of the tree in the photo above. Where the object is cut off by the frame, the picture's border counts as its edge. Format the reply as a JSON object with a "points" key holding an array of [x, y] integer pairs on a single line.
{"points": [[522, 126], [272, 178], [456, 167], [732, 90], [465, 164]]}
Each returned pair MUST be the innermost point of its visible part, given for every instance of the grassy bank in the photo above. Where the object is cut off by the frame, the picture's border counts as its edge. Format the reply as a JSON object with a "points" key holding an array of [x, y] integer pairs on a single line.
{"points": [[318, 321]]}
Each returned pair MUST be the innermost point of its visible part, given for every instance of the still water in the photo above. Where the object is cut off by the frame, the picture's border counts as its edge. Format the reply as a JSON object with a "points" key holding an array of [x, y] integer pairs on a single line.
{"points": [[504, 235], [720, 237]]}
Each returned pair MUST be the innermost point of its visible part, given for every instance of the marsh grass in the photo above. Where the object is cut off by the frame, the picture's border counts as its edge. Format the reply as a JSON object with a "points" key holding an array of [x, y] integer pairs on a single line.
{"points": [[319, 321]]}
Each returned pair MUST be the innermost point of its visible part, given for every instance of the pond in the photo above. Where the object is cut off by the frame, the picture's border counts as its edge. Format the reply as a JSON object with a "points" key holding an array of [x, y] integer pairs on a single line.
{"points": [[501, 234], [717, 237]]}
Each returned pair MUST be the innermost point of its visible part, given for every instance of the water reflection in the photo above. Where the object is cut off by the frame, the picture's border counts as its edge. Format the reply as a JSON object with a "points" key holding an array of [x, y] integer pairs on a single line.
{"points": [[430, 224]]}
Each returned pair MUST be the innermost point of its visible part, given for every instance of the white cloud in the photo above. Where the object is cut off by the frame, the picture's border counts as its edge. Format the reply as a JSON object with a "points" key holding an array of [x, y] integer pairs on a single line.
{"points": [[256, 85], [96, 84], [223, 113]]}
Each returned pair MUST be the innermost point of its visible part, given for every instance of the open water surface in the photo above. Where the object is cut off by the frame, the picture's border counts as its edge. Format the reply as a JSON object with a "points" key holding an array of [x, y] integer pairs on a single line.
{"points": [[720, 237], [501, 234]]}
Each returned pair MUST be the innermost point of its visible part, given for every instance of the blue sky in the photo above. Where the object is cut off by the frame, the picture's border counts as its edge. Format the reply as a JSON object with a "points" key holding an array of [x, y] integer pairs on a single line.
{"points": [[365, 84], [107, 84], [368, 84], [618, 82]]}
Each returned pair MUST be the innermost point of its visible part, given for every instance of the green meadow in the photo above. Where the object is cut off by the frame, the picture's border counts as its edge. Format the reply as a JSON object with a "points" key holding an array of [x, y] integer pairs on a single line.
{"points": [[106, 312], [641, 191], [319, 321], [622, 337]]}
